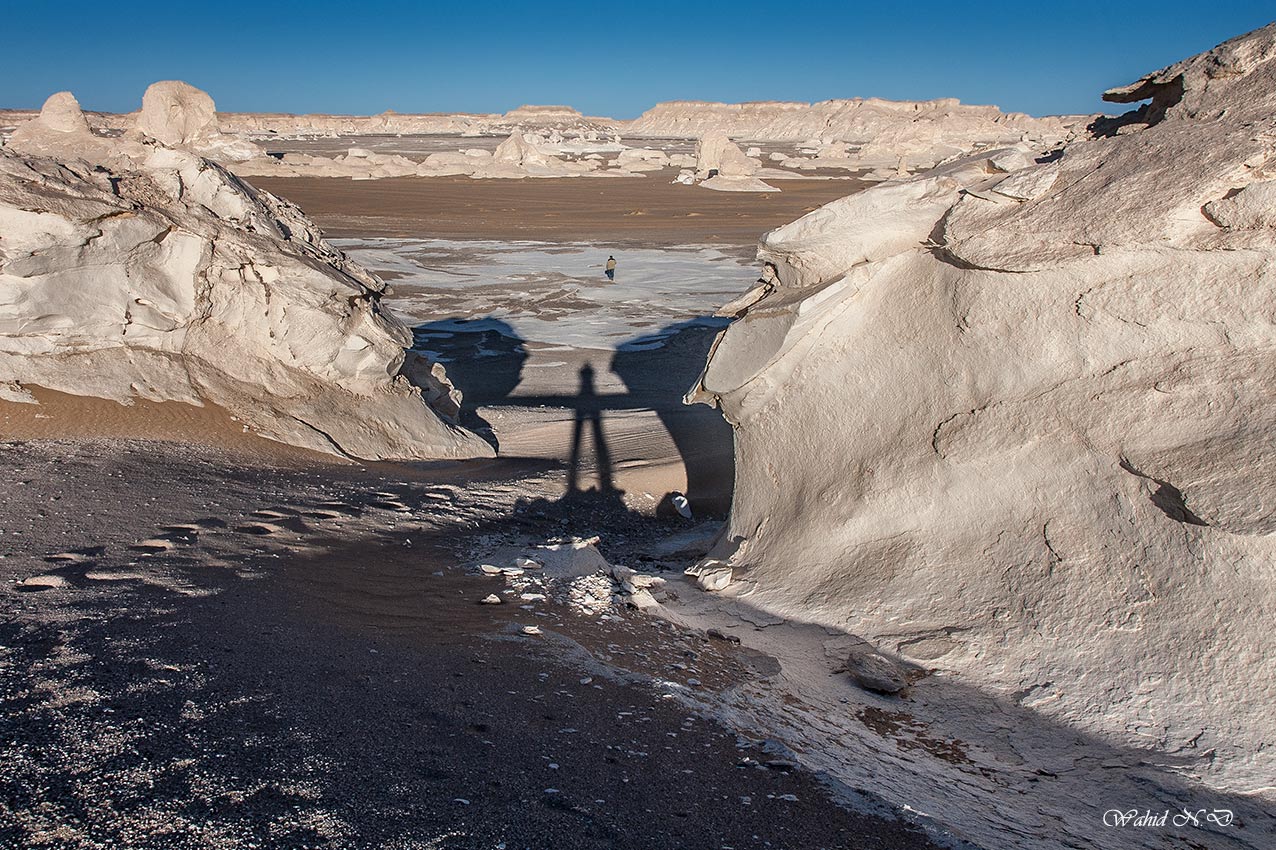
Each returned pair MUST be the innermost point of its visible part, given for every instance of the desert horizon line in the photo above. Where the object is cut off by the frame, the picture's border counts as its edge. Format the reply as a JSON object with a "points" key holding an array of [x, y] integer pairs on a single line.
{"points": [[568, 108]]}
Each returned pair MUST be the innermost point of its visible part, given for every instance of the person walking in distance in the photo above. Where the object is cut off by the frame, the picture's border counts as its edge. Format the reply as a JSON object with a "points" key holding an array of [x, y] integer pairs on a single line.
{"points": [[611, 268]]}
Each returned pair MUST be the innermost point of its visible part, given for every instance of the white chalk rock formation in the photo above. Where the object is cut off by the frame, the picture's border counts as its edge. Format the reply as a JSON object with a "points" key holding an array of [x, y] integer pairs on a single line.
{"points": [[519, 150], [716, 152], [60, 130], [177, 114], [726, 183], [722, 166], [642, 159], [1019, 425], [61, 113], [572, 559], [159, 275]]}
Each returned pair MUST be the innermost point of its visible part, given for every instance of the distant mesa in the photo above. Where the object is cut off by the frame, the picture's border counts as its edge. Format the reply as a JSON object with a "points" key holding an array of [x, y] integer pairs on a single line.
{"points": [[541, 113]]}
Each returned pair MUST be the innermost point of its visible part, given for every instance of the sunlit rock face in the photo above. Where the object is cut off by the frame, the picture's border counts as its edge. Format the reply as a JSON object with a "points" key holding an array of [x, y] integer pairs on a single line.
{"points": [[1014, 418], [129, 269]]}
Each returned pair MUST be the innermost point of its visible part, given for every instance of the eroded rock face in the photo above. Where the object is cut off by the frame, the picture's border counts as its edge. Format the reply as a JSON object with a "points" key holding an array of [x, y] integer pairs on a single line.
{"points": [[158, 274], [1026, 404]]}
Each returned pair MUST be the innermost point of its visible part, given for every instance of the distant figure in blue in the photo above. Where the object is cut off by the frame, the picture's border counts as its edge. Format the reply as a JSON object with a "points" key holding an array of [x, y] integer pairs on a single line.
{"points": [[611, 268]]}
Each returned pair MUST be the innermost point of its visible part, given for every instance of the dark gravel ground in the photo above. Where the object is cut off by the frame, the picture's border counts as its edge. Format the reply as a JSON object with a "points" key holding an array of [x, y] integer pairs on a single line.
{"points": [[321, 689]]}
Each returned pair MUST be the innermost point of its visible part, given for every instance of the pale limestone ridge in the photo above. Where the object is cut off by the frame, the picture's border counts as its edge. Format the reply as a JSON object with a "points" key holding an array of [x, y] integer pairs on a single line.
{"points": [[852, 120]]}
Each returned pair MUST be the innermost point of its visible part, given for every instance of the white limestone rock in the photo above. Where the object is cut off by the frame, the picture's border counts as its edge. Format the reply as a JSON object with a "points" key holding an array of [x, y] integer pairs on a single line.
{"points": [[642, 159], [574, 558], [158, 274], [1031, 413], [870, 669], [1251, 208], [728, 183], [177, 114], [711, 574], [716, 152], [60, 130], [520, 149], [60, 113], [925, 132]]}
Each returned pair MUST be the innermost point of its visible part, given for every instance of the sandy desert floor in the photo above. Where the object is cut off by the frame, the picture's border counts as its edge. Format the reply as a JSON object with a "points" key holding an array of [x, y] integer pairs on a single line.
{"points": [[641, 212], [228, 652]]}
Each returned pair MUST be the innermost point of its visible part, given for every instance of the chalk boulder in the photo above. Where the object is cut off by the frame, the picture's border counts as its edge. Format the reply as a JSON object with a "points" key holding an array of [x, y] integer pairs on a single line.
{"points": [[61, 113], [177, 114], [520, 150], [715, 152], [870, 669]]}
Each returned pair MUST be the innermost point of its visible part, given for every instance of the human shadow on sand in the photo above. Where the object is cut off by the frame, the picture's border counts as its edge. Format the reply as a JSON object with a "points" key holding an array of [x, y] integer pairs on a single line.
{"points": [[485, 358]]}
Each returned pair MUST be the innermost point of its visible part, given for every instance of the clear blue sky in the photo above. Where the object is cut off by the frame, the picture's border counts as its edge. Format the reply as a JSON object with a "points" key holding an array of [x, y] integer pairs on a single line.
{"points": [[612, 59]]}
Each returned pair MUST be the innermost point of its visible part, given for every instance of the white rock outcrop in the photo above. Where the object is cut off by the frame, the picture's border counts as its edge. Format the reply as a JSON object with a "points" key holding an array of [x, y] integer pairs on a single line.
{"points": [[61, 113], [722, 165], [154, 273], [716, 152], [59, 130], [1014, 420], [179, 115]]}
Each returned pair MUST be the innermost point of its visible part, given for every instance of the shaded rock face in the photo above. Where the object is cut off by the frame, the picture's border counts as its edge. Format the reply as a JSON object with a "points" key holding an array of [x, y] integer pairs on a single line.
{"points": [[1028, 405], [158, 274]]}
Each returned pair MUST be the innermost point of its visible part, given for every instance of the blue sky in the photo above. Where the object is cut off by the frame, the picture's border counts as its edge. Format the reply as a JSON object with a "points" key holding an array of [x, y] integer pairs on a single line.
{"points": [[612, 59]]}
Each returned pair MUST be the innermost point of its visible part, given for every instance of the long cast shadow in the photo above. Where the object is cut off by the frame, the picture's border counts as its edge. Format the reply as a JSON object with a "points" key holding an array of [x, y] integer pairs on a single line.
{"points": [[658, 369], [484, 360], [485, 357]]}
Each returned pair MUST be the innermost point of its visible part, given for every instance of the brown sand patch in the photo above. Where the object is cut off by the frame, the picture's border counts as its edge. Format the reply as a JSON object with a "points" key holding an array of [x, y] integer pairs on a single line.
{"points": [[60, 416], [647, 212]]}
